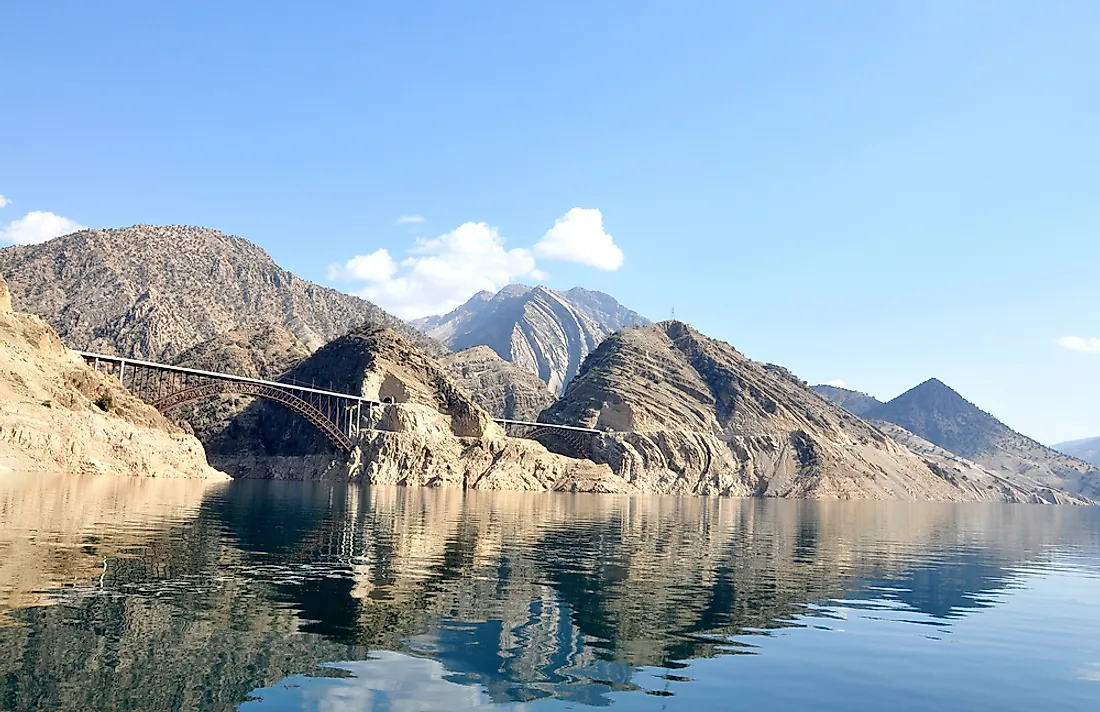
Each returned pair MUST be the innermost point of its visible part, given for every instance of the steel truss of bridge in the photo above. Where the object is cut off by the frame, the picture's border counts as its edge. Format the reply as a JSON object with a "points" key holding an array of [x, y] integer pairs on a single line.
{"points": [[340, 416]]}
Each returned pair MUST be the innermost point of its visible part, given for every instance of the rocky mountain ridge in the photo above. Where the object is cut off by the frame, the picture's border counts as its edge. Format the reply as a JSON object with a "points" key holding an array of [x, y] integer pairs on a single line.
{"points": [[548, 333], [693, 415], [855, 402], [153, 292], [938, 414], [502, 388]]}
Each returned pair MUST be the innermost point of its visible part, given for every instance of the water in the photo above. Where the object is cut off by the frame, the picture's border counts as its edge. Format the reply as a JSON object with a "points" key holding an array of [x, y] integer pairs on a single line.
{"points": [[121, 594]]}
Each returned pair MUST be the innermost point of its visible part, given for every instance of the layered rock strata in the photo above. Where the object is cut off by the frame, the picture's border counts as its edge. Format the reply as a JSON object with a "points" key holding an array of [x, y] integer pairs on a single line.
{"points": [[503, 389]]}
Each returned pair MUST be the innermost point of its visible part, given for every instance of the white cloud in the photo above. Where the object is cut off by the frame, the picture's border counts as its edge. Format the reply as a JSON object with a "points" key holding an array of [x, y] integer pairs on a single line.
{"points": [[1077, 343], [378, 266], [409, 220], [35, 227], [578, 236], [4, 202], [441, 273], [836, 383]]}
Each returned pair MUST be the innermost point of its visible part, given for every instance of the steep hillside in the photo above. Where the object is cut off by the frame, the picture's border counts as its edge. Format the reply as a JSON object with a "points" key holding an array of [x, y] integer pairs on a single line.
{"points": [[1087, 450], [502, 388], [938, 414], [58, 415], [429, 432], [854, 402], [255, 351], [547, 333], [693, 415], [153, 292]]}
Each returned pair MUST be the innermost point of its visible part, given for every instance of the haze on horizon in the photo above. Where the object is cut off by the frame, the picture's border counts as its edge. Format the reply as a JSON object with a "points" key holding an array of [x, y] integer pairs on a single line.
{"points": [[872, 194]]}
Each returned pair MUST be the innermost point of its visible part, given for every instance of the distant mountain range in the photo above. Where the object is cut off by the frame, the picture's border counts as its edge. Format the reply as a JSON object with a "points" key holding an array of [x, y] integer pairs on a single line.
{"points": [[939, 415], [854, 402], [1087, 449], [153, 292], [546, 332]]}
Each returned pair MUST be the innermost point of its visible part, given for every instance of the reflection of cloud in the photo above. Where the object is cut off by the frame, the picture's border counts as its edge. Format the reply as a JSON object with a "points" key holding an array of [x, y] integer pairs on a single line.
{"points": [[1091, 672], [390, 681]]}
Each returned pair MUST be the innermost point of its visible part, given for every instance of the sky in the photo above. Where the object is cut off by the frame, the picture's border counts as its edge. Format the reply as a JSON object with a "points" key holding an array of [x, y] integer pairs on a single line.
{"points": [[869, 193]]}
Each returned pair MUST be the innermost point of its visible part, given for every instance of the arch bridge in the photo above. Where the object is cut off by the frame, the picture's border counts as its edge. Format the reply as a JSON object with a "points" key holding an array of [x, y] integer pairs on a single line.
{"points": [[339, 416]]}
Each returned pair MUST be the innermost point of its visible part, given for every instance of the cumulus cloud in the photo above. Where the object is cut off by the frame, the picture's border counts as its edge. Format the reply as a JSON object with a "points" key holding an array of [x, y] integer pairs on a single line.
{"points": [[1078, 343], [4, 202], [441, 273], [578, 236], [409, 220], [35, 227], [836, 383]]}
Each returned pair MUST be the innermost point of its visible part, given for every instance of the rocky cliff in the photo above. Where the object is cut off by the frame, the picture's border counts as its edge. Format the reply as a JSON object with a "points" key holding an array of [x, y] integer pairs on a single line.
{"points": [[1087, 450], [941, 416], [855, 402], [547, 333], [693, 415], [428, 432], [57, 414], [153, 292], [502, 388]]}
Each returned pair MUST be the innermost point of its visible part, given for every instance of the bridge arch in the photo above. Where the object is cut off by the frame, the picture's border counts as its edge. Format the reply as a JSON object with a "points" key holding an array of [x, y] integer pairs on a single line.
{"points": [[284, 397]]}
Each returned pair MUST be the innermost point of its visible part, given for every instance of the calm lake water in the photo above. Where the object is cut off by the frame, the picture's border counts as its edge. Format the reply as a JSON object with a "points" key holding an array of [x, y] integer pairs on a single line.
{"points": [[120, 594]]}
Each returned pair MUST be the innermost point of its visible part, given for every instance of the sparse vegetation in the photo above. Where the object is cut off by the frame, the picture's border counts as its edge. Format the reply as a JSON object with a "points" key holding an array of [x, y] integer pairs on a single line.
{"points": [[105, 402]]}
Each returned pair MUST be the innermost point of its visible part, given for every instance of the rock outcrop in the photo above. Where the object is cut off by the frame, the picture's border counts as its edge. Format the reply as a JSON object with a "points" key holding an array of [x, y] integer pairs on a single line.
{"points": [[855, 402], [1087, 450], [502, 388], [941, 416], [153, 292], [547, 333], [57, 414], [692, 415], [428, 432]]}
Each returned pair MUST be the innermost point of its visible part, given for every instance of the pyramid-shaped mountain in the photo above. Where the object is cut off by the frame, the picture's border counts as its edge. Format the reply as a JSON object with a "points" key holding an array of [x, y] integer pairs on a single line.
{"points": [[937, 413]]}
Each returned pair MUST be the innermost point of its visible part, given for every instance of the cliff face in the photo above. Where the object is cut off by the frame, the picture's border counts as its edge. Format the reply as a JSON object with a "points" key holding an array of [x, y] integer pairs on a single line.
{"points": [[547, 333], [693, 415], [503, 389], [56, 414], [152, 292], [941, 416], [429, 432]]}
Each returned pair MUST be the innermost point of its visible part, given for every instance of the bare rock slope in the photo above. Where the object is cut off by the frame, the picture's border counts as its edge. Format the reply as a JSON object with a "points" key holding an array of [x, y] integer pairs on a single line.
{"points": [[693, 415], [152, 292], [548, 333], [1087, 450], [502, 388], [430, 432], [56, 414], [941, 416]]}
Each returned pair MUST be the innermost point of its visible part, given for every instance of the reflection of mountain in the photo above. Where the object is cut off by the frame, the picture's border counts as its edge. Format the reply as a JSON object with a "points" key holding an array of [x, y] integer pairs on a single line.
{"points": [[517, 595]]}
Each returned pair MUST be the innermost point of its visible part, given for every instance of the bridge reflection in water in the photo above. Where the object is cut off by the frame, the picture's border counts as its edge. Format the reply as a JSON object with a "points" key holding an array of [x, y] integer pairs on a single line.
{"points": [[341, 417]]}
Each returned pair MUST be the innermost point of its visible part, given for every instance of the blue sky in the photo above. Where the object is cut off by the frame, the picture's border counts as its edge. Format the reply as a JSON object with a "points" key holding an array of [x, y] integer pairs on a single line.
{"points": [[876, 192]]}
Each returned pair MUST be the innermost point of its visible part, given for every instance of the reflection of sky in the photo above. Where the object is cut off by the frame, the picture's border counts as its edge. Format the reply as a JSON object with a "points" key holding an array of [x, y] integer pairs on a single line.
{"points": [[390, 681]]}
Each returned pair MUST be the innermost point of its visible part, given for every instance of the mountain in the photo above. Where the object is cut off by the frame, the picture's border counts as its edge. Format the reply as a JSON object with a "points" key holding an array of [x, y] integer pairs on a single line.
{"points": [[502, 388], [59, 415], [854, 402], [152, 292], [1087, 450], [941, 416], [429, 432], [548, 333], [687, 414]]}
